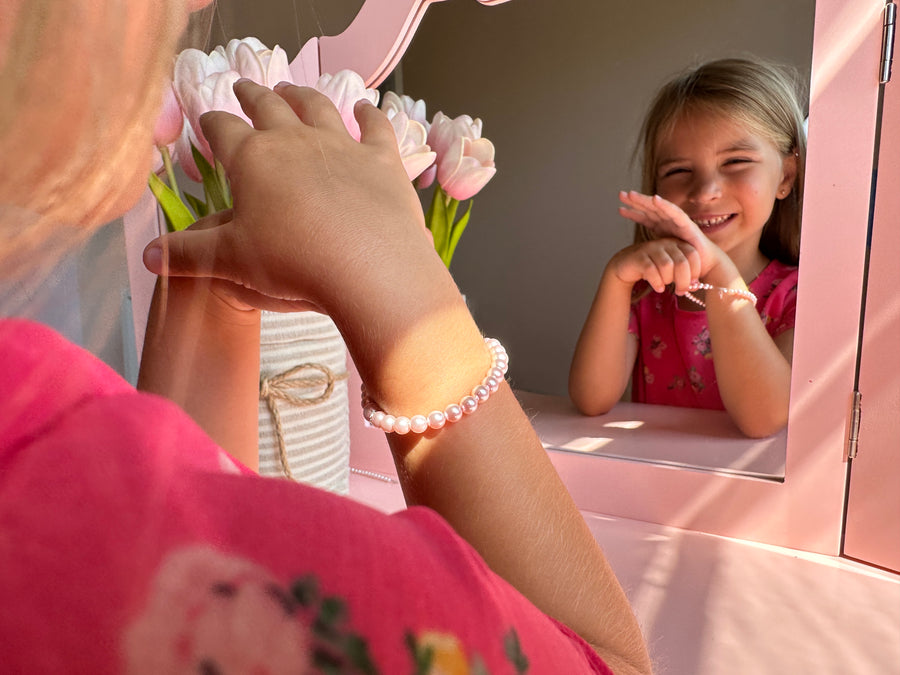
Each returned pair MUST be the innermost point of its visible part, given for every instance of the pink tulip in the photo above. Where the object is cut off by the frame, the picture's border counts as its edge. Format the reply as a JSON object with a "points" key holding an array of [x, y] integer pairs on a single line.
{"points": [[345, 88], [170, 120], [465, 161], [415, 110], [204, 82], [414, 152]]}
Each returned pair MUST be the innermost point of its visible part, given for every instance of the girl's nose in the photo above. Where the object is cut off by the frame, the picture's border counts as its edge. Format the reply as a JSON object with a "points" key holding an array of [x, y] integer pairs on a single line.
{"points": [[705, 188]]}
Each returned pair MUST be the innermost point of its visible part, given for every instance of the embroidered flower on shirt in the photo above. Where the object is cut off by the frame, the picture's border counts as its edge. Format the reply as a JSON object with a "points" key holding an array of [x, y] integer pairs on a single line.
{"points": [[214, 613], [696, 380], [702, 344], [209, 612], [656, 346], [648, 376], [677, 382]]}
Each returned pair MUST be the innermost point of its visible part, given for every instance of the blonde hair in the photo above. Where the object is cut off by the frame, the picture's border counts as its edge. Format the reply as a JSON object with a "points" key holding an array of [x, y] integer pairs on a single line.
{"points": [[763, 96], [80, 87]]}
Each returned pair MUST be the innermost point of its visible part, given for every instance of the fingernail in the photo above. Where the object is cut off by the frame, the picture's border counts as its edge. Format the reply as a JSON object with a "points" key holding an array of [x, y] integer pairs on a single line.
{"points": [[153, 258], [241, 80], [281, 85]]}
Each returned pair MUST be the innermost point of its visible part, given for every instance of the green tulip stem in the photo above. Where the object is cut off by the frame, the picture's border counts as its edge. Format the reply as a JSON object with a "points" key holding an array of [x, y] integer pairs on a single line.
{"points": [[223, 184], [170, 168]]}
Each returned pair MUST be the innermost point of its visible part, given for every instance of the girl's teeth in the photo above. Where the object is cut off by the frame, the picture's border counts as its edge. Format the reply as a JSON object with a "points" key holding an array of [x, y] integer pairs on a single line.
{"points": [[711, 221]]}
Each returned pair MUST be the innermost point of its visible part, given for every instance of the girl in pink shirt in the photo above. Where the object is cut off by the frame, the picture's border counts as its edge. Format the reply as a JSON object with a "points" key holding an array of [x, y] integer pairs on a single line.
{"points": [[699, 311]]}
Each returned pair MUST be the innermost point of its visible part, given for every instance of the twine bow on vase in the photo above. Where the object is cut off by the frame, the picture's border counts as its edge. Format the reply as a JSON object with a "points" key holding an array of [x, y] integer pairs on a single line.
{"points": [[304, 430], [278, 388]]}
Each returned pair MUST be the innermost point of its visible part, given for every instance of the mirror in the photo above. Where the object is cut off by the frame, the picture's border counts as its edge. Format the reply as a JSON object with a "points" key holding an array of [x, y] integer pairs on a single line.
{"points": [[562, 89]]}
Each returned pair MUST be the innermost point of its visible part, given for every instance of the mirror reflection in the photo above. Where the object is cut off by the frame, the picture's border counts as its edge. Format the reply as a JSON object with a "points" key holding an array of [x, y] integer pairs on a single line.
{"points": [[564, 113]]}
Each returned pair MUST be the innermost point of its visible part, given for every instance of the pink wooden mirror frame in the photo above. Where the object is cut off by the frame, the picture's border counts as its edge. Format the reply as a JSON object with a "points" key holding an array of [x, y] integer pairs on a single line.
{"points": [[805, 511]]}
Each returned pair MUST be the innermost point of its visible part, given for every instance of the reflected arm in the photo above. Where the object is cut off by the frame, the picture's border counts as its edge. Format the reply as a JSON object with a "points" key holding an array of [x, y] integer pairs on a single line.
{"points": [[753, 371], [606, 351]]}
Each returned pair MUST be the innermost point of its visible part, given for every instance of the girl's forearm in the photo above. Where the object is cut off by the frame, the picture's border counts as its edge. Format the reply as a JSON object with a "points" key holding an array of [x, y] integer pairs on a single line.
{"points": [[754, 377], [488, 474], [203, 354], [605, 352]]}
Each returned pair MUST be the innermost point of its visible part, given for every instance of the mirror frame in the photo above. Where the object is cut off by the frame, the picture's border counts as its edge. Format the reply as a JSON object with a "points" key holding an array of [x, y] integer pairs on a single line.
{"points": [[806, 510]]}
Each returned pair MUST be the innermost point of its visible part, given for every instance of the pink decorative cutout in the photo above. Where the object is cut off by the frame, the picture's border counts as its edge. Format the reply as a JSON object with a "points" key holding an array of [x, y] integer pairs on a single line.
{"points": [[374, 42]]}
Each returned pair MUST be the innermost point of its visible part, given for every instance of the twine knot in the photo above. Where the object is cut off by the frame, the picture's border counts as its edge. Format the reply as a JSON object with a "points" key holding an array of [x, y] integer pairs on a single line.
{"points": [[278, 388]]}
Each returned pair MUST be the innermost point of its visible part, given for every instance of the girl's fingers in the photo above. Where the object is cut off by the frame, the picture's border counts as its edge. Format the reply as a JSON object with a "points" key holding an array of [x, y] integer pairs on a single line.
{"points": [[264, 107], [313, 108], [681, 274], [374, 127], [192, 253], [224, 132]]}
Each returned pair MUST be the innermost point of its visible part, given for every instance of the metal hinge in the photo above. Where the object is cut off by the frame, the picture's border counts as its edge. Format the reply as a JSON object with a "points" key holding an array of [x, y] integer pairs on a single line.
{"points": [[887, 42], [853, 446]]}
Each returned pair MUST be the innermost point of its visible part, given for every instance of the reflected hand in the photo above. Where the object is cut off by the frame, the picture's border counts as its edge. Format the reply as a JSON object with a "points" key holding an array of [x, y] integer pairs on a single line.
{"points": [[659, 262], [665, 219]]}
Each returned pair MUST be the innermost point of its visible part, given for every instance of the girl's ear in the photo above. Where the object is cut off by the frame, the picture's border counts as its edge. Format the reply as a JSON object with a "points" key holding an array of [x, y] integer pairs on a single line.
{"points": [[788, 174]]}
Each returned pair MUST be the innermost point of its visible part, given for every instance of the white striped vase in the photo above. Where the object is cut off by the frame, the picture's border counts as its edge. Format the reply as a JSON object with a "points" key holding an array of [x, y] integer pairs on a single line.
{"points": [[316, 436]]}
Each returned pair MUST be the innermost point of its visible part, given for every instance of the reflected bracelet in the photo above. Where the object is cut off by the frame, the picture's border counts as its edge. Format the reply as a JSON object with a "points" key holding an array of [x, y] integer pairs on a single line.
{"points": [[737, 292], [454, 412]]}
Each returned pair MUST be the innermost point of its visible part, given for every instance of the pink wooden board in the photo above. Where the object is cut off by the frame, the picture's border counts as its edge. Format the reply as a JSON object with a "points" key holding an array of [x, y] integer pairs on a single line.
{"points": [[873, 510]]}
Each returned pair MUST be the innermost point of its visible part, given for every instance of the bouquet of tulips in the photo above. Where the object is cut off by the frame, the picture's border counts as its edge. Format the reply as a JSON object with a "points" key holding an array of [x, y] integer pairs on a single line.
{"points": [[447, 152]]}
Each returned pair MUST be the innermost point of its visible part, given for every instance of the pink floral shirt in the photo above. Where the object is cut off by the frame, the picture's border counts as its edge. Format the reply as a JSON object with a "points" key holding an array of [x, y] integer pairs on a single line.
{"points": [[674, 365], [130, 543]]}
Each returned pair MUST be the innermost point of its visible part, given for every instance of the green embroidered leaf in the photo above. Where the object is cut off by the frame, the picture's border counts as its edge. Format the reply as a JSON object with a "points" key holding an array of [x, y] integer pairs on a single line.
{"points": [[306, 591], [358, 652], [177, 215], [422, 658], [513, 649]]}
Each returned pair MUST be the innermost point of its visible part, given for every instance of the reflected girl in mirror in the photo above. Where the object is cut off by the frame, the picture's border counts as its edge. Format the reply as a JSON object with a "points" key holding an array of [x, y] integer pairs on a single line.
{"points": [[699, 311]]}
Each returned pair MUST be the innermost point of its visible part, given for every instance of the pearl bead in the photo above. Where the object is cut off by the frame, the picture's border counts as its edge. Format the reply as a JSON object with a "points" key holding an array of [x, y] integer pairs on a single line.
{"points": [[387, 424], [436, 419], [491, 383], [469, 404], [481, 392], [401, 425], [453, 413], [496, 373], [368, 411], [418, 424], [378, 417]]}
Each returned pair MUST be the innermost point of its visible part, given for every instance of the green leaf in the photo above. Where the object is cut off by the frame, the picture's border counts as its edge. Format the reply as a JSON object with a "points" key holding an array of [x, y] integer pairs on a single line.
{"points": [[456, 232], [436, 218], [201, 208], [211, 185], [178, 217]]}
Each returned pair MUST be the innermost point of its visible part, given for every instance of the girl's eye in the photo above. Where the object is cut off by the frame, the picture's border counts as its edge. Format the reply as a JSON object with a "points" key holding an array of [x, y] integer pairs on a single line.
{"points": [[737, 160], [674, 171]]}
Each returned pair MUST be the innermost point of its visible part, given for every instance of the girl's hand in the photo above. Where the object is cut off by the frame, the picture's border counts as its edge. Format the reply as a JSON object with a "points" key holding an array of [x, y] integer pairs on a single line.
{"points": [[665, 219], [659, 262], [319, 219]]}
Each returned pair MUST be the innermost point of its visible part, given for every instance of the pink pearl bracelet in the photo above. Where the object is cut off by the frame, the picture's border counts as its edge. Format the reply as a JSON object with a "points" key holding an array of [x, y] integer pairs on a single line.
{"points": [[737, 292], [454, 412]]}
